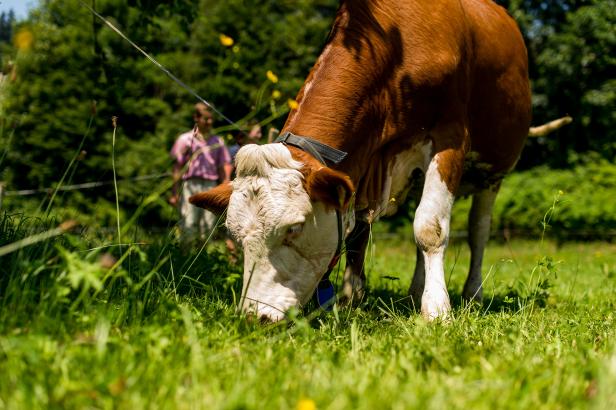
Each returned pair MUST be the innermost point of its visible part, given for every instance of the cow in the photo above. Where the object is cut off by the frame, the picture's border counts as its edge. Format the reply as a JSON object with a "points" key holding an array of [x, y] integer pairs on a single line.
{"points": [[403, 91]]}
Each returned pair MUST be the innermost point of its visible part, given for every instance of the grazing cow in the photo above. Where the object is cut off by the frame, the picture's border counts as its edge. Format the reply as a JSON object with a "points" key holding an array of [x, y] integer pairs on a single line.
{"points": [[435, 89]]}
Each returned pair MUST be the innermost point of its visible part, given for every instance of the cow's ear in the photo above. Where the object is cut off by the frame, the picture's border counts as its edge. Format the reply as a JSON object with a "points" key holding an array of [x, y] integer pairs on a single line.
{"points": [[215, 200], [331, 187]]}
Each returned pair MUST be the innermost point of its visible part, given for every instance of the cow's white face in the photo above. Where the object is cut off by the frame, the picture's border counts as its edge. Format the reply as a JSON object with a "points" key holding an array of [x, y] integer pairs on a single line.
{"points": [[288, 238]]}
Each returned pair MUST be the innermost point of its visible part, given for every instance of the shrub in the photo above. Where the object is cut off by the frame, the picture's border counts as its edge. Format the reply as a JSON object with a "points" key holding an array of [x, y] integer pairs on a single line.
{"points": [[583, 197]]}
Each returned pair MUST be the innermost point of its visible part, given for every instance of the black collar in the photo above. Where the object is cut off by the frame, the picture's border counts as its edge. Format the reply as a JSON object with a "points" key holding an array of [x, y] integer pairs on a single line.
{"points": [[318, 150]]}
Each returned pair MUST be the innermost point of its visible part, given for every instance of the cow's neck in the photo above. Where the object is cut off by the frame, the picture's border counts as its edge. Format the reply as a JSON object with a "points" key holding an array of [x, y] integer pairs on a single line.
{"points": [[337, 112], [339, 103]]}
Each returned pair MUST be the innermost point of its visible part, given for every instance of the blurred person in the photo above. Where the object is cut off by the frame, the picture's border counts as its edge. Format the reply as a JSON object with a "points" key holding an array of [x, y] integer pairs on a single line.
{"points": [[202, 161]]}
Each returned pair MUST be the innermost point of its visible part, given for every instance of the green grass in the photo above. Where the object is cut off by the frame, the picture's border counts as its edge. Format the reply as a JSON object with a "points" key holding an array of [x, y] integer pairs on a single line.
{"points": [[160, 330]]}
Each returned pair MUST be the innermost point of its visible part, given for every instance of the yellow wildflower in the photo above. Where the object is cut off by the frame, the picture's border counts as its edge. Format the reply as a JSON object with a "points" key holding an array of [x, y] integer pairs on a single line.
{"points": [[226, 40], [276, 94], [271, 76], [23, 39], [292, 104], [117, 387], [306, 404]]}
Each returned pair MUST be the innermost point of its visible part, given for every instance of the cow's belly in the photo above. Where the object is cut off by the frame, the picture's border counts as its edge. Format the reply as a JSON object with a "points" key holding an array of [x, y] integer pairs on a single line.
{"points": [[478, 175], [399, 179]]}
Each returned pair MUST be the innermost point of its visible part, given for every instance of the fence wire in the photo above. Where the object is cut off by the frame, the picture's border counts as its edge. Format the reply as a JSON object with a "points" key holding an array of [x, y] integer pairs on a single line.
{"points": [[85, 185]]}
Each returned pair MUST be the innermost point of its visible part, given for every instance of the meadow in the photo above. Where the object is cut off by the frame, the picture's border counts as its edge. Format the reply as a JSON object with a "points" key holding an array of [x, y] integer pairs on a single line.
{"points": [[85, 323], [123, 318]]}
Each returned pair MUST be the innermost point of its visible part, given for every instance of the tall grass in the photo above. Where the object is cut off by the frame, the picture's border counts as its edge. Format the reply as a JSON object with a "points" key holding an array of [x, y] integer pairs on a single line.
{"points": [[65, 272], [153, 327], [115, 180], [136, 321], [92, 321]]}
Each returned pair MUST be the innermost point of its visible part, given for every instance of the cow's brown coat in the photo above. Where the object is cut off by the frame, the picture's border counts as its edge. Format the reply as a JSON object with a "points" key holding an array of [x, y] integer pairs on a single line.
{"points": [[394, 73]]}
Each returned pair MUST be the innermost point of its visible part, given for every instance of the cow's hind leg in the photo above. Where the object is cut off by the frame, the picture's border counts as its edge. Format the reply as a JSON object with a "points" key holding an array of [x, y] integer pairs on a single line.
{"points": [[431, 227], [419, 278], [354, 275], [479, 220]]}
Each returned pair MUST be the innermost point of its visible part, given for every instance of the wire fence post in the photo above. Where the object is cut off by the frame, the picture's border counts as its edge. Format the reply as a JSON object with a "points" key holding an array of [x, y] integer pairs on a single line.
{"points": [[1, 193]]}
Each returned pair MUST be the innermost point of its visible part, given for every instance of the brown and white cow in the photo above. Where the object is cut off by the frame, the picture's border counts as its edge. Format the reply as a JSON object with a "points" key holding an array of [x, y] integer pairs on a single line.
{"points": [[439, 86]]}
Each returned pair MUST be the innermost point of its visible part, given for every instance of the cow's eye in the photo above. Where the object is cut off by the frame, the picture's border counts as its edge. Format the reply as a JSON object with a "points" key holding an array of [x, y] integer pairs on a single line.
{"points": [[294, 230]]}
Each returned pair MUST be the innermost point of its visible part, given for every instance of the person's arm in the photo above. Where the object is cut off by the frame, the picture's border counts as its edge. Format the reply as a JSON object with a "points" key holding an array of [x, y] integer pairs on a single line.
{"points": [[178, 153], [176, 175], [225, 172]]}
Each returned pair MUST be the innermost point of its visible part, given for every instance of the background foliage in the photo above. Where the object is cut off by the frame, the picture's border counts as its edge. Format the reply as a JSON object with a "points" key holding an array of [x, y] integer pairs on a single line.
{"points": [[572, 53], [162, 323], [64, 69], [574, 203]]}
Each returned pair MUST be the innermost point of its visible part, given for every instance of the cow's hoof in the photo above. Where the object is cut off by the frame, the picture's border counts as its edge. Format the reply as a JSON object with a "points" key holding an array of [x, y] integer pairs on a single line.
{"points": [[350, 296], [351, 300], [352, 291], [435, 306], [441, 314], [415, 296], [473, 295]]}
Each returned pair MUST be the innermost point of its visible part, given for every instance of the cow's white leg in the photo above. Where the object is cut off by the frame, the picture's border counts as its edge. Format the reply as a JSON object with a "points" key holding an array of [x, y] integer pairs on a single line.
{"points": [[354, 276], [419, 278], [431, 227], [479, 220]]}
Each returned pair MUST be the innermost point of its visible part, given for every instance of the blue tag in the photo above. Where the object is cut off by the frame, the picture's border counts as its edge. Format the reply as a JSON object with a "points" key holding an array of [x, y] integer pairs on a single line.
{"points": [[325, 294]]}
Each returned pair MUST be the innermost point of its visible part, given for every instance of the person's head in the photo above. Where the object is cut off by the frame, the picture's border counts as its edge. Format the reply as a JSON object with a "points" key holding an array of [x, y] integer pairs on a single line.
{"points": [[241, 138], [203, 117], [251, 134], [255, 134]]}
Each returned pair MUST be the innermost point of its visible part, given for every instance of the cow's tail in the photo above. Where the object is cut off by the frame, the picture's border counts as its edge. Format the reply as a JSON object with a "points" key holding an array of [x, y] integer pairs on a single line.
{"points": [[548, 127]]}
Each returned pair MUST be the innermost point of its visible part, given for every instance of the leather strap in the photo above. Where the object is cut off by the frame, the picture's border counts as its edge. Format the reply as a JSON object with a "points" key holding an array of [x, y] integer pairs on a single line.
{"points": [[320, 151]]}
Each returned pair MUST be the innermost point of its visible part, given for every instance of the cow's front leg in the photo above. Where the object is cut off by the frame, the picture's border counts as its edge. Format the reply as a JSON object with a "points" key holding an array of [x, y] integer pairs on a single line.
{"points": [[479, 220], [431, 228], [354, 276]]}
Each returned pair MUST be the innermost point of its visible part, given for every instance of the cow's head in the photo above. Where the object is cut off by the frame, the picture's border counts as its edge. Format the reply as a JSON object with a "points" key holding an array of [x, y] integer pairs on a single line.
{"points": [[283, 215]]}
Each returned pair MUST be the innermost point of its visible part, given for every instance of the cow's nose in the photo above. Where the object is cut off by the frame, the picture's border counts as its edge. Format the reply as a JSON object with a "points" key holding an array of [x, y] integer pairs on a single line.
{"points": [[261, 319], [264, 313]]}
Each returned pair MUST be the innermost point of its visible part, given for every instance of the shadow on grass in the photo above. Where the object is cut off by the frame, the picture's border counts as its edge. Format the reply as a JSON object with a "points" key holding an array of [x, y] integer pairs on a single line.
{"points": [[386, 300]]}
